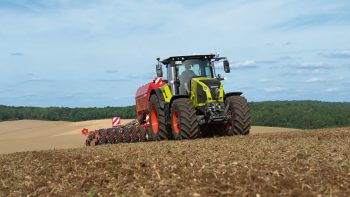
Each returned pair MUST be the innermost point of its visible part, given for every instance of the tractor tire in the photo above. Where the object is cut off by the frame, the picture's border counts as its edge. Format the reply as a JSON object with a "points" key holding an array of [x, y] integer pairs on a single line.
{"points": [[133, 138], [184, 124], [240, 120], [157, 120], [142, 133]]}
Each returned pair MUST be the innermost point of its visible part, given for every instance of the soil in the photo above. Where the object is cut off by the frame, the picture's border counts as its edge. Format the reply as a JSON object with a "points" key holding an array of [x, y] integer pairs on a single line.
{"points": [[34, 135], [26, 135], [307, 163]]}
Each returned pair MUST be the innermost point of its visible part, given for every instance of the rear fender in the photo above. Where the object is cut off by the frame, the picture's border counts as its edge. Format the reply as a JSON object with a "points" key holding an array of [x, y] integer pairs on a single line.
{"points": [[160, 96], [233, 94], [176, 97]]}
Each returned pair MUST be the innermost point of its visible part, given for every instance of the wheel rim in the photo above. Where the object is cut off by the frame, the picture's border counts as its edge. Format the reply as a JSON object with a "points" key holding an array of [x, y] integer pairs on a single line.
{"points": [[229, 124], [176, 126], [154, 120]]}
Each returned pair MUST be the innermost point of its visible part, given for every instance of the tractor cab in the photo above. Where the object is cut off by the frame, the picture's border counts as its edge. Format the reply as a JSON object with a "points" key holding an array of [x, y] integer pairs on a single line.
{"points": [[180, 70]]}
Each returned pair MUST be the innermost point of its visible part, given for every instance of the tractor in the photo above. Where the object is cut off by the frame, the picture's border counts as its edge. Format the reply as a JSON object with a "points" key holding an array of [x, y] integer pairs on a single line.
{"points": [[187, 100]]}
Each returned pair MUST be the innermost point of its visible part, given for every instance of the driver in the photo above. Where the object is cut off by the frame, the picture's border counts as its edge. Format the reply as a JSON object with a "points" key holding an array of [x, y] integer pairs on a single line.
{"points": [[185, 79]]}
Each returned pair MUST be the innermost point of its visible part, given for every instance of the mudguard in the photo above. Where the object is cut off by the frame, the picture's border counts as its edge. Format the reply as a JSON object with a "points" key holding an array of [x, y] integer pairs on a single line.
{"points": [[233, 94]]}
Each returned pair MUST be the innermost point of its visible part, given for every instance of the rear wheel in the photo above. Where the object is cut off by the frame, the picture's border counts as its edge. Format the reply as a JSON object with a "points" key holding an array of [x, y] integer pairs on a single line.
{"points": [[157, 120], [184, 123], [240, 116]]}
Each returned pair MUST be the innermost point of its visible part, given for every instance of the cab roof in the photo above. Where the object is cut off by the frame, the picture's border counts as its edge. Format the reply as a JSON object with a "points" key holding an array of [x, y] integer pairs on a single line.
{"points": [[188, 57]]}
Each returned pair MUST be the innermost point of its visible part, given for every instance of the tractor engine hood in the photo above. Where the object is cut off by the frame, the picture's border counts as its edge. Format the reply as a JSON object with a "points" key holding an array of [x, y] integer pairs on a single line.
{"points": [[206, 90]]}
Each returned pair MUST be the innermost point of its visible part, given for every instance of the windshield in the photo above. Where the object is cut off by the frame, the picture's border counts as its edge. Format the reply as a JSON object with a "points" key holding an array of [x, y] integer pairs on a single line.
{"points": [[186, 70], [198, 68]]}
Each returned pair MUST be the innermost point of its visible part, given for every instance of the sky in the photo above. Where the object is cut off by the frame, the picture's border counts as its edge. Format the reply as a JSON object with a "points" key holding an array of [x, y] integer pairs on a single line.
{"points": [[95, 53]]}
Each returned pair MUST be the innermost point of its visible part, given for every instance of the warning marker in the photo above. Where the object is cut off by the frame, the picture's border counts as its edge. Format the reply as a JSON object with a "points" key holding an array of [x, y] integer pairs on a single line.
{"points": [[115, 121]]}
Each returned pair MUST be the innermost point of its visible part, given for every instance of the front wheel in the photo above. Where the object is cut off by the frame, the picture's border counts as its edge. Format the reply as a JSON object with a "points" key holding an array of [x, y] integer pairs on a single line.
{"points": [[157, 120], [184, 124], [238, 108]]}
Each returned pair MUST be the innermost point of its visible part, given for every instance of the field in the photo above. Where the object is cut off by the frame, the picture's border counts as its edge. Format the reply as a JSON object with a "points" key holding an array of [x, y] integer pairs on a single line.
{"points": [[270, 162], [30, 135], [26, 135]]}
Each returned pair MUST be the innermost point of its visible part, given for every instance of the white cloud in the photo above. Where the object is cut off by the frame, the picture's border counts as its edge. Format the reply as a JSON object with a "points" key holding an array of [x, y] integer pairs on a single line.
{"points": [[314, 80], [274, 89], [111, 71], [304, 71], [265, 80], [338, 54], [35, 79], [247, 64], [332, 89], [312, 65]]}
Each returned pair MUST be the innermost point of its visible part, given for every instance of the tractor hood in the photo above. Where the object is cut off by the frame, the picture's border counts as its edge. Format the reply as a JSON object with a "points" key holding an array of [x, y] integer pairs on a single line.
{"points": [[206, 90]]}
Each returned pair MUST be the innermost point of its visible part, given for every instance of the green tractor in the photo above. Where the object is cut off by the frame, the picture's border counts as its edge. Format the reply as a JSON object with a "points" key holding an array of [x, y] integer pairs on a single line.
{"points": [[190, 101]]}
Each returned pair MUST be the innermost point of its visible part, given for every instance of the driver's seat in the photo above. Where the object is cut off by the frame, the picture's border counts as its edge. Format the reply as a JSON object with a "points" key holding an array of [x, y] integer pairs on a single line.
{"points": [[185, 82]]}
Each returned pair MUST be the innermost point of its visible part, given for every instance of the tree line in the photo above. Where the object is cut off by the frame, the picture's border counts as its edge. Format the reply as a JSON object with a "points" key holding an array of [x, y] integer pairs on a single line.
{"points": [[293, 114], [64, 113], [301, 114]]}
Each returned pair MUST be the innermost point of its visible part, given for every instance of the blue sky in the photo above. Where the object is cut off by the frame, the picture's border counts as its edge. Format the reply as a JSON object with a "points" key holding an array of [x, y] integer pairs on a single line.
{"points": [[85, 53]]}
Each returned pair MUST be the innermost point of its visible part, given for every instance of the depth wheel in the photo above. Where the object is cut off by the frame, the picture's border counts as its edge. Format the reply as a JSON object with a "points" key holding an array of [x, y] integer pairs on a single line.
{"points": [[118, 136], [133, 137], [157, 120], [102, 139], [142, 133], [110, 134], [184, 124], [126, 133]]}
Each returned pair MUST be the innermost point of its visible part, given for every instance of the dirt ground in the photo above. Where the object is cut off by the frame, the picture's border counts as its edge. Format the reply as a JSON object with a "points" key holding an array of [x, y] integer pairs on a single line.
{"points": [[30, 135], [308, 163]]}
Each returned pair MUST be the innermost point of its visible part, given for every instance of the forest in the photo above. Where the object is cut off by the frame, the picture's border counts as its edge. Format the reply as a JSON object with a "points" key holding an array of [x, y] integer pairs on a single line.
{"points": [[292, 114]]}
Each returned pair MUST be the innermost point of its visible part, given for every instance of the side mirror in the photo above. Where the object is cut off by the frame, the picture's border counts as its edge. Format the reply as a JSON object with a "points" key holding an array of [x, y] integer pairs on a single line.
{"points": [[227, 66], [159, 70]]}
